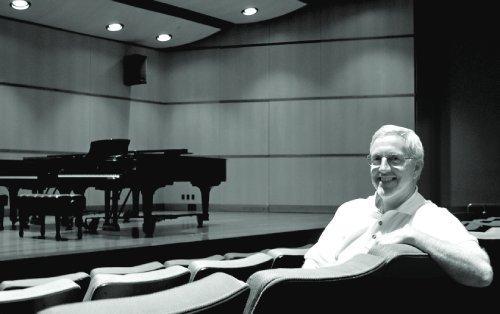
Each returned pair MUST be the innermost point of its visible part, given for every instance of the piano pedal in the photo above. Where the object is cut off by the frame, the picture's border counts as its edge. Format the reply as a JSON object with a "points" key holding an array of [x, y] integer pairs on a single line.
{"points": [[92, 226]]}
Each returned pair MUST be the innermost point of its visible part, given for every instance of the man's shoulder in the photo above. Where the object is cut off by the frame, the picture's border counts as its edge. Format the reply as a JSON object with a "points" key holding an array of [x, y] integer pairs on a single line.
{"points": [[358, 204], [429, 208]]}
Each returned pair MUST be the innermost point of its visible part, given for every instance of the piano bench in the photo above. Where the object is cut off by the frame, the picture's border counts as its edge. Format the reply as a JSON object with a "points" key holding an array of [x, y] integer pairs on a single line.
{"points": [[58, 205], [3, 202]]}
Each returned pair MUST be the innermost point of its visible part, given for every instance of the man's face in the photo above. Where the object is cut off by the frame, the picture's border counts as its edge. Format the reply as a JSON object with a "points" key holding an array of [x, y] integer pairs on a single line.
{"points": [[396, 182]]}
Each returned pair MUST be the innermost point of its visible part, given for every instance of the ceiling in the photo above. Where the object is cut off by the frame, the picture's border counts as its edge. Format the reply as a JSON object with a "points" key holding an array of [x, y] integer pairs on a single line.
{"points": [[186, 20]]}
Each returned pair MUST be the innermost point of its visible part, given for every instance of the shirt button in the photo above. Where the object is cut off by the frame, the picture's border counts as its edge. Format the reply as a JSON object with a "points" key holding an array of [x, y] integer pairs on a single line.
{"points": [[380, 223], [374, 236]]}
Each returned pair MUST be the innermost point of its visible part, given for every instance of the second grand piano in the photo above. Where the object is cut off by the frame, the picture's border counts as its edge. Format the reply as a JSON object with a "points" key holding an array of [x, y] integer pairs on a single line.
{"points": [[111, 167]]}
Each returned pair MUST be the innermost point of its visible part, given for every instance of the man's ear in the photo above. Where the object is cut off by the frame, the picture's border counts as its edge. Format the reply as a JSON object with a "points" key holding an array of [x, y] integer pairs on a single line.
{"points": [[418, 170]]}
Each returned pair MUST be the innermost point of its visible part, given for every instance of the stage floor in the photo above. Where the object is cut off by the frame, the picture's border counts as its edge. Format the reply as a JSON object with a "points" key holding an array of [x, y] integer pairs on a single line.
{"points": [[175, 238]]}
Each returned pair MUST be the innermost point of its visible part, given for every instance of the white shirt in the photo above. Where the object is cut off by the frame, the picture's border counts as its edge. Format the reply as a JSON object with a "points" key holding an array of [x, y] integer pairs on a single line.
{"points": [[357, 223]]}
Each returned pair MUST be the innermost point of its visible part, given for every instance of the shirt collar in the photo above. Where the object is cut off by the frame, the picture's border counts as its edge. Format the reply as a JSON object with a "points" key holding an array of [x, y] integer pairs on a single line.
{"points": [[410, 206]]}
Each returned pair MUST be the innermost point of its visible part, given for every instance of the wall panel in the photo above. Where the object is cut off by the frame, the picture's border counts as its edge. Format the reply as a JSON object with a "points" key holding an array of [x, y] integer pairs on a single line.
{"points": [[194, 127], [247, 182], [347, 125], [244, 73], [367, 18], [294, 127], [190, 76], [367, 67], [244, 128], [294, 70], [43, 120], [43, 57], [295, 181], [109, 118], [343, 179]]}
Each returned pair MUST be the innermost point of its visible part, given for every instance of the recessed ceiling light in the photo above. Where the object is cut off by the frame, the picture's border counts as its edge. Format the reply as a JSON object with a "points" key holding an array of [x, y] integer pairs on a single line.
{"points": [[249, 11], [164, 37], [20, 4], [114, 27]]}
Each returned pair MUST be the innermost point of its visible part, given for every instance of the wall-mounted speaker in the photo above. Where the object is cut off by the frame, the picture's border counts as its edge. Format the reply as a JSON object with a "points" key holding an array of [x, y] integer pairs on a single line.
{"points": [[134, 69]]}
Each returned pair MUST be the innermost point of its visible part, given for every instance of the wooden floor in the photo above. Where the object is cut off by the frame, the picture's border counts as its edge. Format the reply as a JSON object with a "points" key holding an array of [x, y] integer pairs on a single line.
{"points": [[178, 238]]}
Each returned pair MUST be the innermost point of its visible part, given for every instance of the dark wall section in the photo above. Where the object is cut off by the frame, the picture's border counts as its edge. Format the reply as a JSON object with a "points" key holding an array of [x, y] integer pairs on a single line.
{"points": [[457, 102]]}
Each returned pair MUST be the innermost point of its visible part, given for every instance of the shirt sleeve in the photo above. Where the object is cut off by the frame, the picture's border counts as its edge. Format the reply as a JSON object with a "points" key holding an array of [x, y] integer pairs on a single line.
{"points": [[440, 223]]}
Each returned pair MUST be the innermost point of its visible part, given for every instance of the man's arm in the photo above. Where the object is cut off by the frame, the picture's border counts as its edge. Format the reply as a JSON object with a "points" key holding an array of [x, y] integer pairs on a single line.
{"points": [[465, 262]]}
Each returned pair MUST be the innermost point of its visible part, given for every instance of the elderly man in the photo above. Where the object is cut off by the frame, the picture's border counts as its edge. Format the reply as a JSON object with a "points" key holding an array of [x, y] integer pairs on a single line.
{"points": [[397, 213]]}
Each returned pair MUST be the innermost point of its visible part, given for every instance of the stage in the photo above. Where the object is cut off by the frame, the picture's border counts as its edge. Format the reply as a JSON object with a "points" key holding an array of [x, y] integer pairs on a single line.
{"points": [[176, 238]]}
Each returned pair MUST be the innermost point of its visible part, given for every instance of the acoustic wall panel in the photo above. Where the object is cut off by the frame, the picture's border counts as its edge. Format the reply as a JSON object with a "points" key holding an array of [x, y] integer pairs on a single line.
{"points": [[109, 118], [244, 73], [43, 120], [38, 56], [294, 127], [247, 182], [107, 69], [195, 127], [295, 181], [344, 178], [367, 67], [300, 25], [347, 125], [190, 76], [367, 18], [295, 70], [244, 128], [145, 126]]}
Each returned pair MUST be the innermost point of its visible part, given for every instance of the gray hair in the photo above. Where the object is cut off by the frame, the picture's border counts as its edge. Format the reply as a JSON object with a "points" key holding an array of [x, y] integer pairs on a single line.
{"points": [[412, 141]]}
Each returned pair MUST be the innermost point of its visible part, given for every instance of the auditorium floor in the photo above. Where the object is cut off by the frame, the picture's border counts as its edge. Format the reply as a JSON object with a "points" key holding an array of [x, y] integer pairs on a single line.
{"points": [[177, 238]]}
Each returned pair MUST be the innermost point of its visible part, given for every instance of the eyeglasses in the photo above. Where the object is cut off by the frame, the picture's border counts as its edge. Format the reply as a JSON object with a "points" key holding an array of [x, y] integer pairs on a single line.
{"points": [[393, 160]]}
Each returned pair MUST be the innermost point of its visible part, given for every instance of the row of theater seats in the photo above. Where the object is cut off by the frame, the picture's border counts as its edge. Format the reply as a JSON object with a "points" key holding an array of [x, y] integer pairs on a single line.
{"points": [[248, 284]]}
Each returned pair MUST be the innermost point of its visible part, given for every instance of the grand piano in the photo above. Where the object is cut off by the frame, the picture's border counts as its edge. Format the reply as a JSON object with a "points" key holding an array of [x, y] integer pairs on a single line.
{"points": [[111, 167]]}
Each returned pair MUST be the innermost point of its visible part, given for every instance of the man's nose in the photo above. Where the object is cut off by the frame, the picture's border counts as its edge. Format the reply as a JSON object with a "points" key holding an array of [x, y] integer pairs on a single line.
{"points": [[384, 165]]}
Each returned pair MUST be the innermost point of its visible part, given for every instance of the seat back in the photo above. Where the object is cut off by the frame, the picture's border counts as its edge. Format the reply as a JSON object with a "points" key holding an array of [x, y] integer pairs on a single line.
{"points": [[105, 286], [82, 279], [216, 293], [33, 299], [185, 262], [127, 270], [288, 257], [239, 268], [3, 200], [410, 272], [297, 290]]}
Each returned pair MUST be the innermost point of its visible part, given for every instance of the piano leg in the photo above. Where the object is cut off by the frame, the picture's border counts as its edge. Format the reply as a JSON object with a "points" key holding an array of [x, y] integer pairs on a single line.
{"points": [[13, 205], [149, 224], [205, 198], [107, 209], [134, 212], [114, 226]]}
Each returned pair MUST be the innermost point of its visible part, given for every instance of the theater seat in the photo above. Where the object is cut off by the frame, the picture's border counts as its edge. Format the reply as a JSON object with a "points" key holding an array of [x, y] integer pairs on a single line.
{"points": [[297, 290], [186, 262], [288, 251], [82, 279], [216, 293], [33, 299], [288, 257], [106, 286], [240, 268], [409, 271], [127, 270]]}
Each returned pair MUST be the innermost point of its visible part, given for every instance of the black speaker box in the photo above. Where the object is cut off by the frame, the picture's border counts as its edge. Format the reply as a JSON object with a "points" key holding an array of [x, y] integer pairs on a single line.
{"points": [[134, 69]]}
